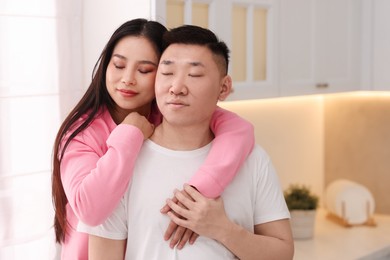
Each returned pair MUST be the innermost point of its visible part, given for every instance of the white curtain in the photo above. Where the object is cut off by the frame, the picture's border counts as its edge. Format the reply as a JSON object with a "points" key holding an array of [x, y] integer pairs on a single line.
{"points": [[40, 79]]}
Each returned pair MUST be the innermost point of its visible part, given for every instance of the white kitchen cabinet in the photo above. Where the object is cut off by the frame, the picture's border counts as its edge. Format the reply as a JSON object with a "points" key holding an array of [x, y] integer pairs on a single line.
{"points": [[319, 46], [248, 27], [375, 45], [252, 38], [311, 46]]}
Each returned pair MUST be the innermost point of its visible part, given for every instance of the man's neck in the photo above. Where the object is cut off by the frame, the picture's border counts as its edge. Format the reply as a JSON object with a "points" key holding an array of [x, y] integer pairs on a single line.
{"points": [[182, 138]]}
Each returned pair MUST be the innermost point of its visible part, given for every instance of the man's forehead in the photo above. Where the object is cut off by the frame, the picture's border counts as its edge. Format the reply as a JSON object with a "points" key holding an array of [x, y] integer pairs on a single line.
{"points": [[190, 52]]}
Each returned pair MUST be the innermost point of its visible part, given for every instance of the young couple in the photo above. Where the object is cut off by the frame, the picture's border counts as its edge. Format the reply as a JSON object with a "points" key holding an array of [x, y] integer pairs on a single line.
{"points": [[117, 160]]}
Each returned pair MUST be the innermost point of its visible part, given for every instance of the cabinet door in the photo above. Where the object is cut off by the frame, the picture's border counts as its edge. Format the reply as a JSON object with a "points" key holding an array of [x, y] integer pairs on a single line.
{"points": [[381, 45], [253, 42], [319, 46], [247, 27]]}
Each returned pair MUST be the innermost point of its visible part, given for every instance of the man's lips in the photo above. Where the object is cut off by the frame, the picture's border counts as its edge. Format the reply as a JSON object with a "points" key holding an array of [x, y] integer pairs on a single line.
{"points": [[177, 103]]}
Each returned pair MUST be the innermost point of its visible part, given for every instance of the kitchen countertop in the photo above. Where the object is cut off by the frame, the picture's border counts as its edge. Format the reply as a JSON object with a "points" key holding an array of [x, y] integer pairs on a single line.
{"points": [[332, 241]]}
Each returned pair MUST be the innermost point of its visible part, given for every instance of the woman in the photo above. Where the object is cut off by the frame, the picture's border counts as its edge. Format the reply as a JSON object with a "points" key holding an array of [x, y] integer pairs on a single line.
{"points": [[97, 144]]}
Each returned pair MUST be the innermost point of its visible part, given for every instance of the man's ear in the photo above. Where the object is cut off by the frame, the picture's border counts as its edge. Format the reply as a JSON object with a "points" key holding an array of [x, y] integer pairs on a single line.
{"points": [[226, 88]]}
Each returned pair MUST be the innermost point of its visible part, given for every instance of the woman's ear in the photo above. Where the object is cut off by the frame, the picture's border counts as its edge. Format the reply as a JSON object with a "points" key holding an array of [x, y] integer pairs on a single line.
{"points": [[226, 88]]}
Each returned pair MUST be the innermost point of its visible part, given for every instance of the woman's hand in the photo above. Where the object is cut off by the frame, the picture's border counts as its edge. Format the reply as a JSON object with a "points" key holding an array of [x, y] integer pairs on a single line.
{"points": [[140, 122], [181, 235], [204, 216]]}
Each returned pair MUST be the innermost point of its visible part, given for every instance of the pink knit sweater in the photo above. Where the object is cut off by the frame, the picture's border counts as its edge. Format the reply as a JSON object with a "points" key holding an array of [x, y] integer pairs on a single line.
{"points": [[97, 168]]}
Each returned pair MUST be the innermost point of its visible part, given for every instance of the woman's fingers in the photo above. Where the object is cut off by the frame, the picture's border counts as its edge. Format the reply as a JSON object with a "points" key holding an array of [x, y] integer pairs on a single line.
{"points": [[177, 236], [193, 238], [171, 228], [185, 238]]}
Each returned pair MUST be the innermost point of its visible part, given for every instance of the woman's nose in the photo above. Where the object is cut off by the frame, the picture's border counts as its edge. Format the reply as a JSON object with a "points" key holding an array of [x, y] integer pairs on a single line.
{"points": [[129, 79]]}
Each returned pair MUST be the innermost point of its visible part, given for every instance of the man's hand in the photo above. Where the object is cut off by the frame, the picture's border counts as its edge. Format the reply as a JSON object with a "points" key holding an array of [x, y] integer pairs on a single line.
{"points": [[179, 235], [204, 216]]}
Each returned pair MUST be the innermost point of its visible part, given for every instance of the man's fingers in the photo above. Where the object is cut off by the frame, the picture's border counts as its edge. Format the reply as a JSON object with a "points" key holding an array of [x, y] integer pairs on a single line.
{"points": [[185, 201], [166, 207], [192, 192], [176, 219], [179, 210]]}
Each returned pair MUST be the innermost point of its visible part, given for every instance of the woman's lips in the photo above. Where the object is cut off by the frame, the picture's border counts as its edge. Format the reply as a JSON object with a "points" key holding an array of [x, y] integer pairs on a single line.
{"points": [[127, 93]]}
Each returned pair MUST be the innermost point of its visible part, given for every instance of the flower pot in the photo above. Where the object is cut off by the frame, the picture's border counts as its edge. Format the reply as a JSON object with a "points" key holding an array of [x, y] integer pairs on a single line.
{"points": [[302, 223]]}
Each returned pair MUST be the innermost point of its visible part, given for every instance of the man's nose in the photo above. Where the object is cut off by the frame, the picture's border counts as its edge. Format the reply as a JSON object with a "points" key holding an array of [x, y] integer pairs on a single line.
{"points": [[178, 86]]}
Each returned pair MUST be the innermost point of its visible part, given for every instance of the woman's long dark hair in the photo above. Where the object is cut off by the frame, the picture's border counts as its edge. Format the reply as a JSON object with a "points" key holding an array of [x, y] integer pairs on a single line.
{"points": [[90, 104]]}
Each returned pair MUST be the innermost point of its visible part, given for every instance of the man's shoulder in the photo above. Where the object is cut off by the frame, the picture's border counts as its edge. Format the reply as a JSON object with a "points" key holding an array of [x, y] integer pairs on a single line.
{"points": [[259, 153]]}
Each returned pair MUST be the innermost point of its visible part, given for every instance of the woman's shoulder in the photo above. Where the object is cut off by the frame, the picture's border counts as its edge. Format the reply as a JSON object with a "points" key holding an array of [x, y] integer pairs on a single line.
{"points": [[101, 125]]}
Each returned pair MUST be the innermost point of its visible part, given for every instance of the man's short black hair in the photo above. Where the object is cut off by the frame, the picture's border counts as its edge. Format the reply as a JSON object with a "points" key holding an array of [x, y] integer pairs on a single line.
{"points": [[196, 35]]}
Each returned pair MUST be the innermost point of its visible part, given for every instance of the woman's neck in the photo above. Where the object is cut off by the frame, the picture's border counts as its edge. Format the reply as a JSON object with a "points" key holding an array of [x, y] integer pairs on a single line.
{"points": [[119, 114]]}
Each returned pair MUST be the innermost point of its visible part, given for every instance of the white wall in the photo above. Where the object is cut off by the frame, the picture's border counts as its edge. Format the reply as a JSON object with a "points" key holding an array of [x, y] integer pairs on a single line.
{"points": [[100, 19], [291, 131], [31, 72]]}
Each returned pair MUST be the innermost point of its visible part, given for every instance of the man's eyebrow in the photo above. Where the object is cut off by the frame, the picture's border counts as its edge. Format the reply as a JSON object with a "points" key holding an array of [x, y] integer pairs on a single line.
{"points": [[192, 63], [166, 62], [196, 63], [140, 61]]}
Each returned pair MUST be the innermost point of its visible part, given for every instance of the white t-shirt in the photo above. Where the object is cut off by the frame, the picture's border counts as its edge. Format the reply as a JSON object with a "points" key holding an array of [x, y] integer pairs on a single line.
{"points": [[254, 197]]}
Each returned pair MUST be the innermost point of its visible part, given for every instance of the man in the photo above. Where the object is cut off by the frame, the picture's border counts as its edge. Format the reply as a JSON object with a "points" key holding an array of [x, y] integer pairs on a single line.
{"points": [[249, 221]]}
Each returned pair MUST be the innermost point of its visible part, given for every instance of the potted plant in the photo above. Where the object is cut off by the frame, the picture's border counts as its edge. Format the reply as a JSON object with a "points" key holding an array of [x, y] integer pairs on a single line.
{"points": [[302, 205]]}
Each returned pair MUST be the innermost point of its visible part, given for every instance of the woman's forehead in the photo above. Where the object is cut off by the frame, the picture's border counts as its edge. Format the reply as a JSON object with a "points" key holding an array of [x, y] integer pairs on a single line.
{"points": [[135, 46]]}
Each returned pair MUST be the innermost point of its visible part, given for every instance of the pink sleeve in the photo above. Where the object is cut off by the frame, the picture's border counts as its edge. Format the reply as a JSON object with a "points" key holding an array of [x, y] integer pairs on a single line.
{"points": [[95, 180], [234, 141]]}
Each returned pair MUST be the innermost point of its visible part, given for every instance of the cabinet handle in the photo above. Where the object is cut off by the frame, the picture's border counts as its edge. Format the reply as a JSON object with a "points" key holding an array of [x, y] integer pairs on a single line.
{"points": [[322, 85]]}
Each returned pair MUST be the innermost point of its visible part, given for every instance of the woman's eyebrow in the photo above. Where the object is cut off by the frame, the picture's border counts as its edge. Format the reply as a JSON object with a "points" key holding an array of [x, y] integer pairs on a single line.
{"points": [[140, 61], [119, 56], [147, 62]]}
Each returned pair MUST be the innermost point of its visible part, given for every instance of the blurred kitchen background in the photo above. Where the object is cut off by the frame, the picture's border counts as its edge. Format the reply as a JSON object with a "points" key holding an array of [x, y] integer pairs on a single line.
{"points": [[313, 76]]}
